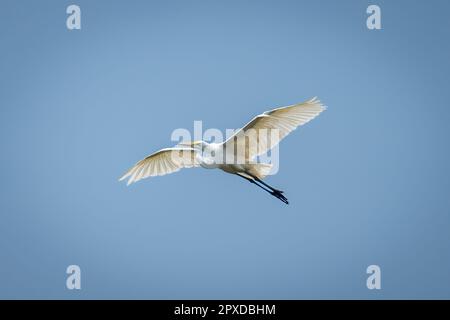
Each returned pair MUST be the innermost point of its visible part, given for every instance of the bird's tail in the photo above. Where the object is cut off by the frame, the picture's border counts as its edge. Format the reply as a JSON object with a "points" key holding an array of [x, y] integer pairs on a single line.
{"points": [[260, 170]]}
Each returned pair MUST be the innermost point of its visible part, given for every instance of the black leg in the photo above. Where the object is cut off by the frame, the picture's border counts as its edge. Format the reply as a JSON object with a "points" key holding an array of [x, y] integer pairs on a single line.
{"points": [[273, 192]]}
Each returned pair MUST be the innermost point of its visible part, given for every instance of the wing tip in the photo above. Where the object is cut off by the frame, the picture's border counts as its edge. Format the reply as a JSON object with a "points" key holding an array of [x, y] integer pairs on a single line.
{"points": [[123, 178], [315, 100]]}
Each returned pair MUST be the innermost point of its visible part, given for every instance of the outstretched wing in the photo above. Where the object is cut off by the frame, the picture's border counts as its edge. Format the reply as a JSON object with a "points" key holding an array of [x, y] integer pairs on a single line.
{"points": [[162, 162], [284, 120]]}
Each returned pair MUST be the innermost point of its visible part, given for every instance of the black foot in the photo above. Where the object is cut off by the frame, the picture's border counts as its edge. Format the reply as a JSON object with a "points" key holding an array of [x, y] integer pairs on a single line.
{"points": [[278, 194]]}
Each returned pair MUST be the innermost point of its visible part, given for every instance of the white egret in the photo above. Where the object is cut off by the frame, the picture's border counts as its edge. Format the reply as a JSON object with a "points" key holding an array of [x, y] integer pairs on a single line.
{"points": [[200, 153]]}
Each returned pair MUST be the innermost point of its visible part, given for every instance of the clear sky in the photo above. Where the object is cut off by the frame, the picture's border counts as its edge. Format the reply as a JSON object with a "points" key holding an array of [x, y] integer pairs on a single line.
{"points": [[368, 180]]}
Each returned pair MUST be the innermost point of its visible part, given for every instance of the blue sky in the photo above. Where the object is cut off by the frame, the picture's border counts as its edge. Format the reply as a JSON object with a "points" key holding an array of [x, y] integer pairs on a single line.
{"points": [[368, 180]]}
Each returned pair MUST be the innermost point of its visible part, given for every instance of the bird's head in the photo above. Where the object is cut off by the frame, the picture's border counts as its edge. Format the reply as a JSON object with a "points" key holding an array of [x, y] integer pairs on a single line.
{"points": [[193, 144]]}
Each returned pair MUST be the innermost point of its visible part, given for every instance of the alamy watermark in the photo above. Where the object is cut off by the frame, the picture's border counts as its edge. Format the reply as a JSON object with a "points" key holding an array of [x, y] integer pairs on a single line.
{"points": [[374, 280], [73, 21], [373, 22], [73, 281]]}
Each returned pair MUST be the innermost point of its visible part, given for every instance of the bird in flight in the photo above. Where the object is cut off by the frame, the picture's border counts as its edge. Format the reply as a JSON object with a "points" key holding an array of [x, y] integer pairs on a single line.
{"points": [[236, 155]]}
